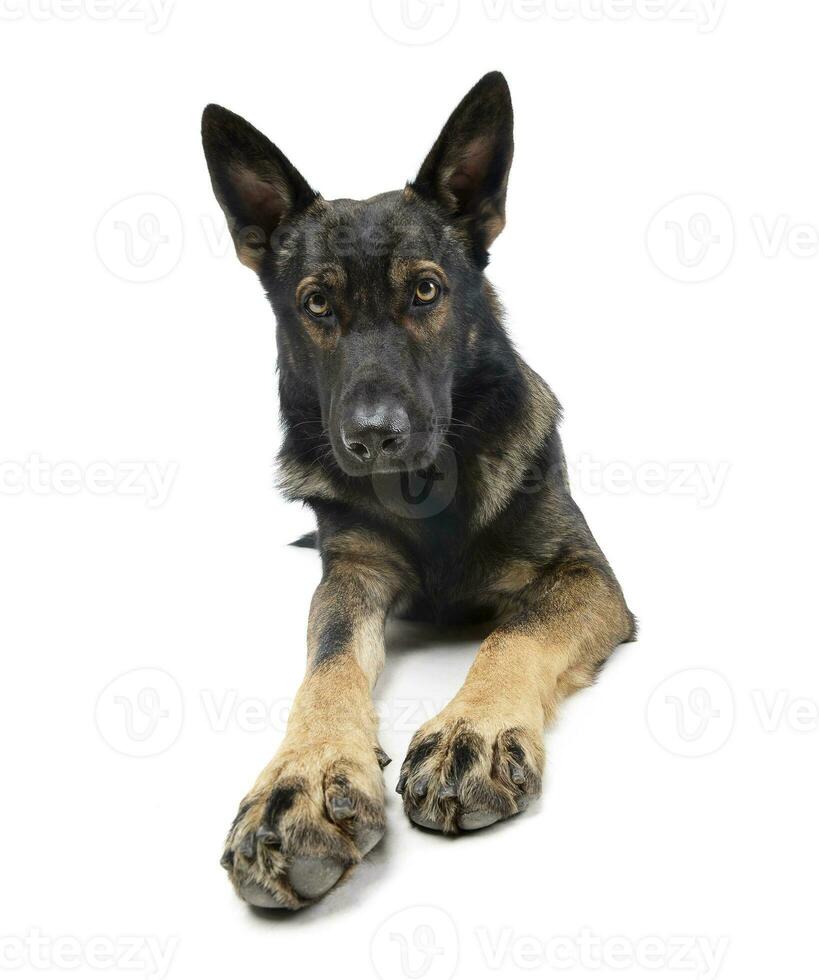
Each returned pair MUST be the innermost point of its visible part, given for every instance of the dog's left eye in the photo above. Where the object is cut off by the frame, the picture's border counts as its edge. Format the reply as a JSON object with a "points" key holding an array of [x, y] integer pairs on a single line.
{"points": [[316, 305], [426, 292]]}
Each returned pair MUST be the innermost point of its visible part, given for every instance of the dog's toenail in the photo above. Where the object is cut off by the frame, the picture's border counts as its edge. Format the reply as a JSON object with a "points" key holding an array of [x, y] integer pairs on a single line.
{"points": [[264, 835], [227, 860], [401, 784], [447, 792], [419, 787], [247, 846], [517, 773], [383, 759]]}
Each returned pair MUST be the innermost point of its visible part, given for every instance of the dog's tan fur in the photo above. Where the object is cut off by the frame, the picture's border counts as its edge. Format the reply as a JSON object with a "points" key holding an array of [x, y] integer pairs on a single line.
{"points": [[568, 622], [332, 731]]}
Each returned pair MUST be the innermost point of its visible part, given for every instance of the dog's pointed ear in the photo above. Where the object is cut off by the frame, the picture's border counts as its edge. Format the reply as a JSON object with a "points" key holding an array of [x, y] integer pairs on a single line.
{"points": [[255, 184], [467, 169]]}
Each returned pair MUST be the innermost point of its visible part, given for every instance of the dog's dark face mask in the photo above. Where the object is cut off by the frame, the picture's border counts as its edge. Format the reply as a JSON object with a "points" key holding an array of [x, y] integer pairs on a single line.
{"points": [[376, 301]]}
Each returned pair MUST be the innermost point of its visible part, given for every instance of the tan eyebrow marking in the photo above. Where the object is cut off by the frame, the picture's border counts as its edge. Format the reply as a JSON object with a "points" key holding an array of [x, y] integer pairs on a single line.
{"points": [[327, 277], [402, 270]]}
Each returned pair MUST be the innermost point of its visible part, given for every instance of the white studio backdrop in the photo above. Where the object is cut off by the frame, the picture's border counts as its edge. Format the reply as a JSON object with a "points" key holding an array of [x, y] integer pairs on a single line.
{"points": [[659, 269]]}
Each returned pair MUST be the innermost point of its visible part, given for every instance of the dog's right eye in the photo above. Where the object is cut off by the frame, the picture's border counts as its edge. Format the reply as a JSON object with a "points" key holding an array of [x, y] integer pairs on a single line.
{"points": [[426, 292], [316, 305]]}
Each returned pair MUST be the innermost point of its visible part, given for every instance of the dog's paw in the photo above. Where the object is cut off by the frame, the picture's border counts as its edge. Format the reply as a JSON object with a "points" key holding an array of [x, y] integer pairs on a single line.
{"points": [[465, 773], [311, 817]]}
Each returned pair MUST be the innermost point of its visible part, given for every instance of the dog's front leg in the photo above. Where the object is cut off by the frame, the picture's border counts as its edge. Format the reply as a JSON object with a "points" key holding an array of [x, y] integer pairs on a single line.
{"points": [[481, 758], [318, 807]]}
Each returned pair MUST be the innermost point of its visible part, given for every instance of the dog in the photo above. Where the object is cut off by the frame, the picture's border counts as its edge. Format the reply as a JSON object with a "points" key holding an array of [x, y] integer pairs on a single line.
{"points": [[430, 455]]}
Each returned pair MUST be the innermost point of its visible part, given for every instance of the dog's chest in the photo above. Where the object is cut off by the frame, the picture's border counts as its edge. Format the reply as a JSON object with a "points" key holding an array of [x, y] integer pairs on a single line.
{"points": [[455, 583]]}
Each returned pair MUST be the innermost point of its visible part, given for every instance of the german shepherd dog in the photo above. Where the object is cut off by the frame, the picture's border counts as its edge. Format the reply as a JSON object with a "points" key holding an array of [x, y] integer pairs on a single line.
{"points": [[429, 452]]}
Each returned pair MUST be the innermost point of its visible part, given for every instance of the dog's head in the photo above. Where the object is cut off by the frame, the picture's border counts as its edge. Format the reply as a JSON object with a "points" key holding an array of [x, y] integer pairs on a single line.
{"points": [[376, 301]]}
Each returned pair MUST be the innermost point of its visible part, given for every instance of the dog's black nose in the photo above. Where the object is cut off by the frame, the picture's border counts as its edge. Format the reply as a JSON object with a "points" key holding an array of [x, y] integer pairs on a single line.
{"points": [[382, 431]]}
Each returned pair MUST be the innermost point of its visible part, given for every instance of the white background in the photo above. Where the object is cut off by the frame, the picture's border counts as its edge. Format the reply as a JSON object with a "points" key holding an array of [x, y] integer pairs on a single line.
{"points": [[681, 798]]}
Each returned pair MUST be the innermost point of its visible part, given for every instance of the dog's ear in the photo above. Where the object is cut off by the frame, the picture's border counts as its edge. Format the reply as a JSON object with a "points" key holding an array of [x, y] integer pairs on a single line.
{"points": [[467, 169], [254, 182]]}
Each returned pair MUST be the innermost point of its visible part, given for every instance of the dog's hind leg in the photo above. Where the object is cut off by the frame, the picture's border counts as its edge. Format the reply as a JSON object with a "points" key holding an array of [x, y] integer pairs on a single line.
{"points": [[318, 807], [481, 758]]}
